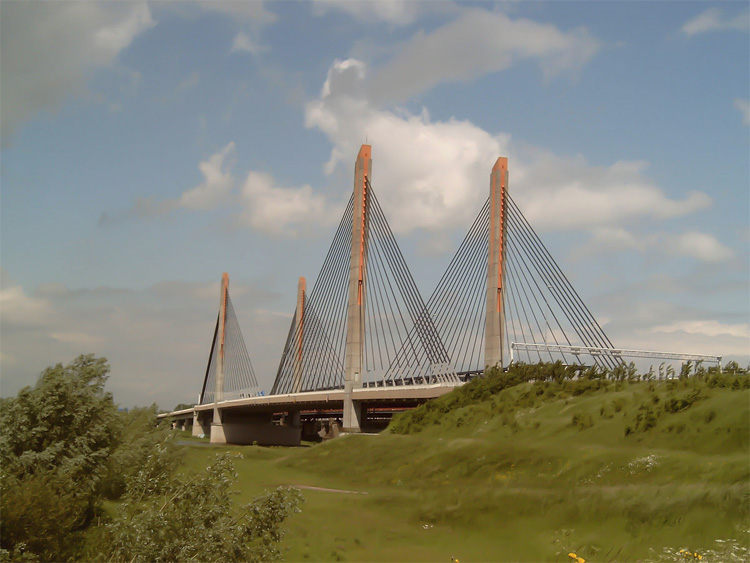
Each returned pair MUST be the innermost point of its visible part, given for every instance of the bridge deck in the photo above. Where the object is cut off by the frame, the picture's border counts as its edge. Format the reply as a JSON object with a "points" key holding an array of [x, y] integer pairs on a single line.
{"points": [[332, 398]]}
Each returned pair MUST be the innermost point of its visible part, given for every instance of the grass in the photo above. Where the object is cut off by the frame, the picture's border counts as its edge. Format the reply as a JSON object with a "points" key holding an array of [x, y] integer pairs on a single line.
{"points": [[528, 472]]}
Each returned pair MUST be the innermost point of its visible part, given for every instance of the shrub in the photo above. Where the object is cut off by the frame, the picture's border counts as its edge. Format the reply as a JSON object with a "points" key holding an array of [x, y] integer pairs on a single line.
{"points": [[55, 442], [172, 519], [582, 420]]}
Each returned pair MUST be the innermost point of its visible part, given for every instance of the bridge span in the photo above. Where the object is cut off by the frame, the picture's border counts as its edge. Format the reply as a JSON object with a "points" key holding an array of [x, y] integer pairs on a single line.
{"points": [[279, 419], [363, 341]]}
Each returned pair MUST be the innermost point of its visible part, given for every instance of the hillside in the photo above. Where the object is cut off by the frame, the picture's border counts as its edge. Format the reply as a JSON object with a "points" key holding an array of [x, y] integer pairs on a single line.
{"points": [[502, 471]]}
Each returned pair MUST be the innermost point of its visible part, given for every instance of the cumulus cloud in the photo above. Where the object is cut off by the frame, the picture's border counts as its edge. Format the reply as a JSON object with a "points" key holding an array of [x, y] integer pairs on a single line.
{"points": [[243, 43], [744, 107], [434, 174], [427, 174], [254, 12], [394, 12], [217, 183], [282, 211], [707, 328], [701, 246], [50, 49], [476, 43], [568, 193], [258, 204], [713, 19]]}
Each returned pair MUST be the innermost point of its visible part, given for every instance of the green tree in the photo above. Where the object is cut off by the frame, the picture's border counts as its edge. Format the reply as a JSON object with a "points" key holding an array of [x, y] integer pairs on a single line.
{"points": [[64, 447], [167, 518], [55, 443]]}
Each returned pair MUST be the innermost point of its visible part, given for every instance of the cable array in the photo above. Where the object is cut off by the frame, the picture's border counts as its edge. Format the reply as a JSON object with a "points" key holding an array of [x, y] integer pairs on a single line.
{"points": [[539, 304], [239, 376], [400, 343], [546, 309], [458, 302], [313, 356]]}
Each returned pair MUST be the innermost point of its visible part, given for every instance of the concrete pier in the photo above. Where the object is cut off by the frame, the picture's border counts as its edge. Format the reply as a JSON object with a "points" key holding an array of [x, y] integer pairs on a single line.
{"points": [[495, 320], [357, 291]]}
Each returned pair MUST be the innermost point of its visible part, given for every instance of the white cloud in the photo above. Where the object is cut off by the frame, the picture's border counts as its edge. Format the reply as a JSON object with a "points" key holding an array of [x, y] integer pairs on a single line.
{"points": [[434, 174], [707, 328], [254, 12], [744, 107], [394, 12], [477, 43], [244, 44], [701, 246], [49, 50], [282, 211], [217, 185], [713, 20], [426, 174], [257, 204], [22, 309], [568, 193]]}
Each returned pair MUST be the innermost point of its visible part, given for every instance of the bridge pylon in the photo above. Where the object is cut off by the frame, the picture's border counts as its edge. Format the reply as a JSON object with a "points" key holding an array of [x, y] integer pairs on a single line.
{"points": [[217, 429], [300, 334], [495, 309], [355, 338]]}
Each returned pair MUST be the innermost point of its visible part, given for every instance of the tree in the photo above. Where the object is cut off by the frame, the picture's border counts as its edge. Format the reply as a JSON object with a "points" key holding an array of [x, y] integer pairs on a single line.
{"points": [[55, 443], [168, 518], [64, 447]]}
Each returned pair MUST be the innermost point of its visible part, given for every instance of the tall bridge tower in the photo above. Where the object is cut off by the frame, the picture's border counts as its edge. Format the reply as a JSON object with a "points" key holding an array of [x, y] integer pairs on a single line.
{"points": [[495, 311], [357, 289]]}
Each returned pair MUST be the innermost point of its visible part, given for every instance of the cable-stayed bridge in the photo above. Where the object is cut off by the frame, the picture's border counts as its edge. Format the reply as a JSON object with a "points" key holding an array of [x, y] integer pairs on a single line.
{"points": [[363, 340]]}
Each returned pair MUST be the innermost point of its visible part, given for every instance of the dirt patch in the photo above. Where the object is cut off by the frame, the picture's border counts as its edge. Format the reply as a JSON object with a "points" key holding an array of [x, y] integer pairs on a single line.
{"points": [[324, 489]]}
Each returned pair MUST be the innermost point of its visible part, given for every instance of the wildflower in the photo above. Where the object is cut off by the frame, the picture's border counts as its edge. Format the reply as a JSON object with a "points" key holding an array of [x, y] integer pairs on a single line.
{"points": [[573, 556]]}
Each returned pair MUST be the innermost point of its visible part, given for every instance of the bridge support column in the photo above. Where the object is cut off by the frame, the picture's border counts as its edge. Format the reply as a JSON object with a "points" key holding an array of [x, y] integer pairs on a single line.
{"points": [[201, 425], [494, 331], [300, 326], [217, 431], [258, 428], [355, 336]]}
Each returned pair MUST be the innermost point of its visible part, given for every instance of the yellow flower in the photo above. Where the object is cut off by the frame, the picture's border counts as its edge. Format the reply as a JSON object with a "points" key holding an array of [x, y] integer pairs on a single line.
{"points": [[573, 556], [581, 560]]}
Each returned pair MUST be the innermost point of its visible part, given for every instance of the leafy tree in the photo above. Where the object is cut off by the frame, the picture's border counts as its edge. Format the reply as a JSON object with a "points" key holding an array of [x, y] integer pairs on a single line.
{"points": [[166, 518], [64, 447], [66, 422], [55, 443]]}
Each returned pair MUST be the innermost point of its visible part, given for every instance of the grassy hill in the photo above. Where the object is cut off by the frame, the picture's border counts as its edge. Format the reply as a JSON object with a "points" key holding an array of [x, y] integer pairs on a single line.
{"points": [[506, 469]]}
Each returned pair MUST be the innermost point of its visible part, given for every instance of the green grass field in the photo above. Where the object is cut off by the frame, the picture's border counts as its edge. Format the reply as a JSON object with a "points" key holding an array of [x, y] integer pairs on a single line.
{"points": [[531, 473]]}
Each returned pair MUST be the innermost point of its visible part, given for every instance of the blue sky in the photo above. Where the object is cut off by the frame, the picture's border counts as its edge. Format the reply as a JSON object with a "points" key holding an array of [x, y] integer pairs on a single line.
{"points": [[149, 147]]}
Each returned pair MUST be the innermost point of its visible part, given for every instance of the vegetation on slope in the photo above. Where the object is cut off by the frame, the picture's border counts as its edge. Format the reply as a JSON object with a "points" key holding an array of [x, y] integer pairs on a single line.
{"points": [[532, 465]]}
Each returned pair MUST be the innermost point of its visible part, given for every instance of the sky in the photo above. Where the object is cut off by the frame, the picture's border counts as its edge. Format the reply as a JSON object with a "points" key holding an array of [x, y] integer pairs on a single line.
{"points": [[149, 147]]}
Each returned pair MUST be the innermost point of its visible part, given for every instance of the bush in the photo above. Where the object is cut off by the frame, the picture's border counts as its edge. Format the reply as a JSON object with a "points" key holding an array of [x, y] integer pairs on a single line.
{"points": [[55, 443], [582, 420], [165, 518], [64, 446]]}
